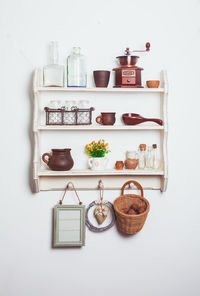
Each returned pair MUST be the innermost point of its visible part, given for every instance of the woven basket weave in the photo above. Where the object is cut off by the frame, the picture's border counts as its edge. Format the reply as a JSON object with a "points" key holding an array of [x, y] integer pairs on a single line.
{"points": [[130, 224]]}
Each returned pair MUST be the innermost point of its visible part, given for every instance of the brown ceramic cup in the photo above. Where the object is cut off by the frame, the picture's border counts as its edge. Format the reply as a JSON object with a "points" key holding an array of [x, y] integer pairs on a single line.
{"points": [[101, 78], [119, 165], [106, 118]]}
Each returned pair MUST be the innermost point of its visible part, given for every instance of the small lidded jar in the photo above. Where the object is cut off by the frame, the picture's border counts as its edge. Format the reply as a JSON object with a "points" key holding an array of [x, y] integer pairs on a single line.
{"points": [[131, 161]]}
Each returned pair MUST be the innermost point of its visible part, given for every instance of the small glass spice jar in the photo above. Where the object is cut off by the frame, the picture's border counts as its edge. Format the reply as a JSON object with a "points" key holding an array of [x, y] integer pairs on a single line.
{"points": [[131, 161]]}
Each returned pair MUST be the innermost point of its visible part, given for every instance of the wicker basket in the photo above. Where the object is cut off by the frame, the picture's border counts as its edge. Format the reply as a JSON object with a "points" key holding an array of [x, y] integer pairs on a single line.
{"points": [[130, 224]]}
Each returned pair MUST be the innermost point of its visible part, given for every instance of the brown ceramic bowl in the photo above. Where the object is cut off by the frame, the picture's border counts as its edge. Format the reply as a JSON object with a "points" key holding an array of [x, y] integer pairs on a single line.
{"points": [[128, 60], [153, 83]]}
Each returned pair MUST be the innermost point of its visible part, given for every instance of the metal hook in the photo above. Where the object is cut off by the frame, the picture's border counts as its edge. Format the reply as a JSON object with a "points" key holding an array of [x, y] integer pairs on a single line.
{"points": [[101, 184], [131, 186], [70, 185]]}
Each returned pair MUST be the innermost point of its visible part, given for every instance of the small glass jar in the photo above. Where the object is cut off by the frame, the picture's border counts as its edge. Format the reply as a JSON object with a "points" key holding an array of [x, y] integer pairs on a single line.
{"points": [[76, 69]]}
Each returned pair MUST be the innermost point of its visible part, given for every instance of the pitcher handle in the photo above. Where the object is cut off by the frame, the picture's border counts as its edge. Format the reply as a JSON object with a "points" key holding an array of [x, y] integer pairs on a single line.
{"points": [[99, 119], [90, 162], [44, 159]]}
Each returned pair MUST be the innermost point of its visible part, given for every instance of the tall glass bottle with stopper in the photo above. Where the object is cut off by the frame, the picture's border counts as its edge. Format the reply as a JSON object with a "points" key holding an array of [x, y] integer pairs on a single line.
{"points": [[53, 73], [156, 160], [141, 163], [149, 158], [76, 69]]}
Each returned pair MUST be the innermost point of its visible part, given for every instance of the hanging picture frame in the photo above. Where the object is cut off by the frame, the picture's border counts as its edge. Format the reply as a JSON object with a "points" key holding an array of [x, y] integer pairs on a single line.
{"points": [[69, 223]]}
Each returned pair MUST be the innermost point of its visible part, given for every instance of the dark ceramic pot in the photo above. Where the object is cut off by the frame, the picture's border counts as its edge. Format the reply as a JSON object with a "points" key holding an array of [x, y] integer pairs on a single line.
{"points": [[101, 78], [106, 118], [59, 160]]}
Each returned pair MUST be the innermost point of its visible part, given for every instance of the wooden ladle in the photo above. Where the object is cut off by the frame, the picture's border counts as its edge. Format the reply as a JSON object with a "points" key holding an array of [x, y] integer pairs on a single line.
{"points": [[134, 118]]}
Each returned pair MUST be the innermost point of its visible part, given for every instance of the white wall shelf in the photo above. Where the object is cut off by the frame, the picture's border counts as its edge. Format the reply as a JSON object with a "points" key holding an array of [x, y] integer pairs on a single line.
{"points": [[85, 179], [100, 128], [111, 172], [100, 90]]}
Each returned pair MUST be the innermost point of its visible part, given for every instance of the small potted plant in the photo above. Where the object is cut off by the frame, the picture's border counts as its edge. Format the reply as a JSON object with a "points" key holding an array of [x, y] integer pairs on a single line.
{"points": [[97, 152]]}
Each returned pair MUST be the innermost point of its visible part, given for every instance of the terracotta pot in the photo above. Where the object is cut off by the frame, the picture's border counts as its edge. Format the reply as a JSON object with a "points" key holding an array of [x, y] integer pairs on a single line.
{"points": [[153, 83], [119, 165], [59, 160], [101, 78], [131, 164], [106, 118]]}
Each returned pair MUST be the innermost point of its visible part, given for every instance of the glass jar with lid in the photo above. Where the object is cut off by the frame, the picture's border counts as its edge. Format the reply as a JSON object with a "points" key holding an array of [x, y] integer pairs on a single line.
{"points": [[76, 69]]}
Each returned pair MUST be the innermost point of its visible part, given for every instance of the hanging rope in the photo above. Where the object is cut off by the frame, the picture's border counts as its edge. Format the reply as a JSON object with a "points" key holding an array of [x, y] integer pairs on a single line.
{"points": [[67, 188]]}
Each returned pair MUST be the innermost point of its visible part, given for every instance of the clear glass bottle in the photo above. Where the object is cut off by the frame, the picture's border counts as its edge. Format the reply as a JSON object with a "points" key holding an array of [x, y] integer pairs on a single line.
{"points": [[76, 69], [149, 158], [156, 160], [141, 164], [53, 73]]}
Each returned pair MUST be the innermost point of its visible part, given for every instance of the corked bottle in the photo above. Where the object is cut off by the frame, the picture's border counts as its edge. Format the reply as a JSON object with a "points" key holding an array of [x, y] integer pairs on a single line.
{"points": [[141, 164], [149, 158], [156, 160]]}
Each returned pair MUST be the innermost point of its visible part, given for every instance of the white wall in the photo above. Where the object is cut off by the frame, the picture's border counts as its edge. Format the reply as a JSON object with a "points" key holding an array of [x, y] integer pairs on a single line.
{"points": [[163, 259]]}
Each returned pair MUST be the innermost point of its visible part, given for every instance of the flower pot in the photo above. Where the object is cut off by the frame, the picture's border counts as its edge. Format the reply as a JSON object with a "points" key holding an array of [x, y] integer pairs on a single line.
{"points": [[97, 163]]}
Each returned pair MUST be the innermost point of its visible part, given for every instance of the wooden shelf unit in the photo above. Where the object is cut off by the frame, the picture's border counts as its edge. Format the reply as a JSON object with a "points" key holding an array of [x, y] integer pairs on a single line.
{"points": [[45, 179]]}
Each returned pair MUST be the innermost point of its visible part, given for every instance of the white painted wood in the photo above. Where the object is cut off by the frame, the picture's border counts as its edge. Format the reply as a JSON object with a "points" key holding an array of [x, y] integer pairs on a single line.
{"points": [[111, 172], [87, 179], [91, 182], [100, 90], [99, 127], [164, 135]]}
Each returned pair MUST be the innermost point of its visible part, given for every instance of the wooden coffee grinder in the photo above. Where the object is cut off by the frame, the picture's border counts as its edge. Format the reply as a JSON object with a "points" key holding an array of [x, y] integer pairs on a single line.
{"points": [[128, 74]]}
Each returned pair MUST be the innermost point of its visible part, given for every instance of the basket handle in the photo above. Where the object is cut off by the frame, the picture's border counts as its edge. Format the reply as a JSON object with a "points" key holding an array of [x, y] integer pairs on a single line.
{"points": [[135, 183]]}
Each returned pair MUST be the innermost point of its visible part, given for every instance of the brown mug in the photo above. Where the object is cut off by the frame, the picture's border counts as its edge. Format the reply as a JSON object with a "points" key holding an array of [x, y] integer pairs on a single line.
{"points": [[101, 78], [59, 160], [106, 118], [119, 165]]}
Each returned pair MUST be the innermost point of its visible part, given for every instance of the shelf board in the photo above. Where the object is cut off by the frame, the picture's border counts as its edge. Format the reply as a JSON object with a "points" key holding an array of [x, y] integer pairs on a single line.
{"points": [[110, 172], [98, 127], [100, 90]]}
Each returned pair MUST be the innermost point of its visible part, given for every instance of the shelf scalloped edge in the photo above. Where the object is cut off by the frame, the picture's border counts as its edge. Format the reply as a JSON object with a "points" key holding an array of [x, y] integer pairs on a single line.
{"points": [[96, 127], [111, 172], [112, 90]]}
